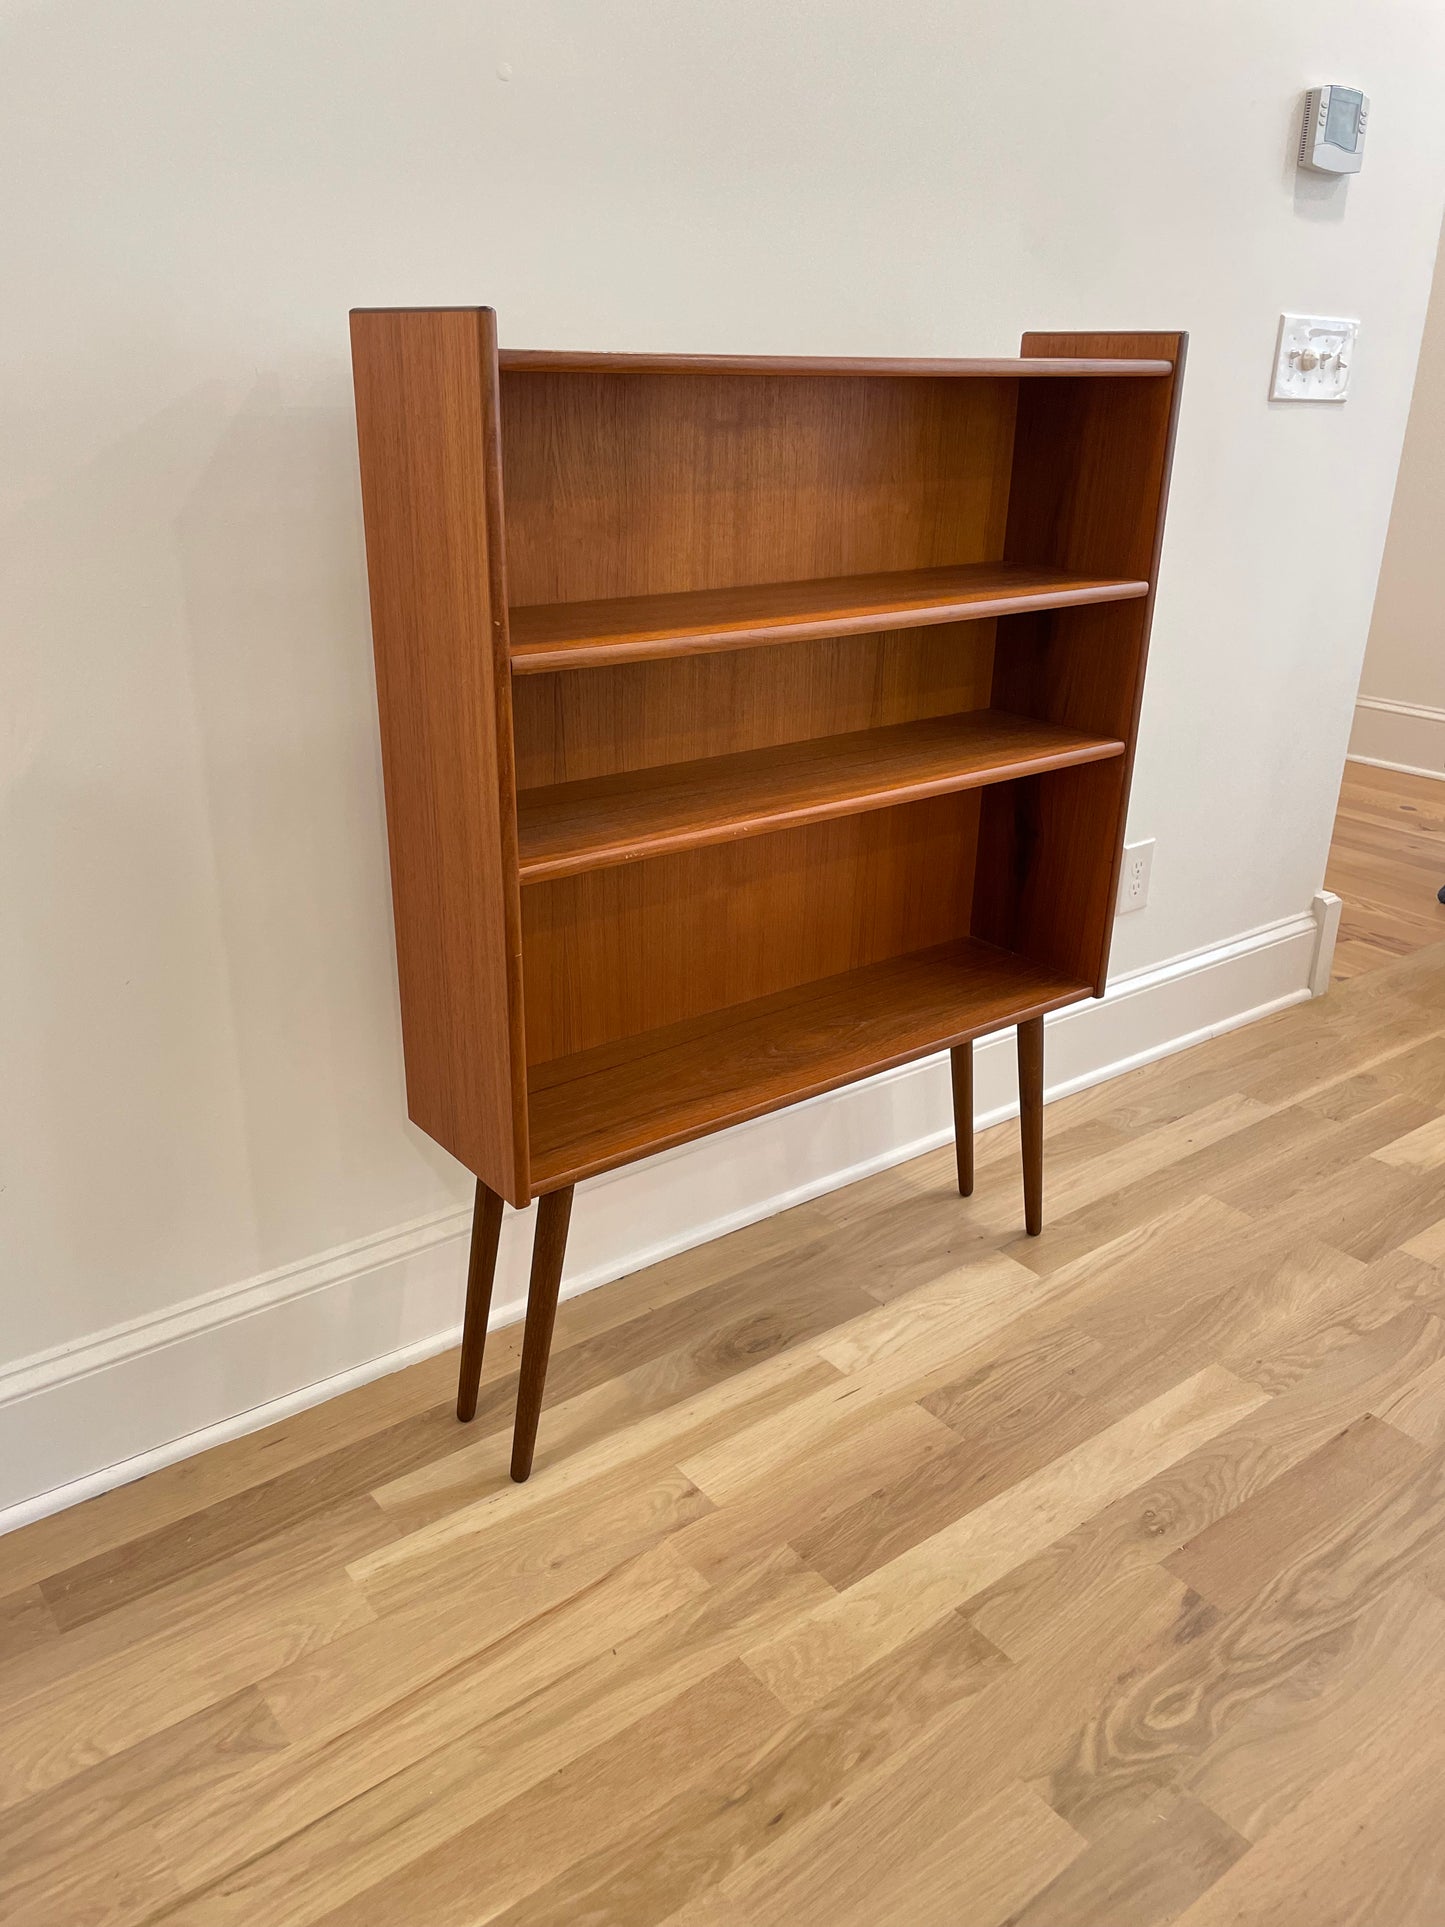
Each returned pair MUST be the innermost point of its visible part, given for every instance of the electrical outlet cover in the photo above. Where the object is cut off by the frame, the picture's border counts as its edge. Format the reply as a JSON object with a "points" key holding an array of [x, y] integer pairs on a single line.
{"points": [[1312, 358], [1134, 876]]}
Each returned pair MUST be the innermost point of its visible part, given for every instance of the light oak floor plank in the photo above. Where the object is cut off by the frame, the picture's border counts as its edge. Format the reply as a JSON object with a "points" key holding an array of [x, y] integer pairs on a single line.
{"points": [[1387, 861], [879, 1563], [345, 1809]]}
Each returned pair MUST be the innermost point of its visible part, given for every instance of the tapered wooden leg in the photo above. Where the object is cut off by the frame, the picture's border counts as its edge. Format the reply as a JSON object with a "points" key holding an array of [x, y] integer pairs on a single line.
{"points": [[962, 1056], [481, 1270], [549, 1247], [1031, 1120]]}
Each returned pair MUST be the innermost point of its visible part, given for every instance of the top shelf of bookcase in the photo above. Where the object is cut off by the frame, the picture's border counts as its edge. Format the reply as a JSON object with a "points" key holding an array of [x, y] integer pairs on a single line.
{"points": [[1000, 367]]}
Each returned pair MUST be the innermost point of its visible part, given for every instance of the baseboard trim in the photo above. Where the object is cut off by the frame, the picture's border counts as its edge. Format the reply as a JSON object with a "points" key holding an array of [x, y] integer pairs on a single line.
{"points": [[82, 1418], [1326, 910], [1408, 737], [1403, 769]]}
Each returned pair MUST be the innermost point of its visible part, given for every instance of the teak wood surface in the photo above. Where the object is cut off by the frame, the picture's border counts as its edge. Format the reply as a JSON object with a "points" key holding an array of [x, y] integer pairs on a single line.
{"points": [[569, 827], [802, 697], [575, 635], [578, 724], [590, 1109], [1013, 367], [880, 1564], [637, 485], [426, 412]]}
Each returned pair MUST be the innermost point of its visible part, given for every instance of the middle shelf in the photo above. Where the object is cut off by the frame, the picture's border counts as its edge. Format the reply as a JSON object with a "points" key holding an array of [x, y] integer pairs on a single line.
{"points": [[687, 622], [600, 821]]}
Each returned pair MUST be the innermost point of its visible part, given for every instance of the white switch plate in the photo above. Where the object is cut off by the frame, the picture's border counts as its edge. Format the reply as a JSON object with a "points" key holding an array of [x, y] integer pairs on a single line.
{"points": [[1134, 876], [1313, 357]]}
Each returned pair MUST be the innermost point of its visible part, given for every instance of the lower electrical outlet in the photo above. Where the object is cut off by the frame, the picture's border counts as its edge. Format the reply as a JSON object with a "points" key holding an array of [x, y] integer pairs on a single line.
{"points": [[1134, 876]]}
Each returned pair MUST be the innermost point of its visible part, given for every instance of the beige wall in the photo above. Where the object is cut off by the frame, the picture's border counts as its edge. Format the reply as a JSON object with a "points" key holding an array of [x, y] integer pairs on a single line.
{"points": [[200, 1069], [1401, 716]]}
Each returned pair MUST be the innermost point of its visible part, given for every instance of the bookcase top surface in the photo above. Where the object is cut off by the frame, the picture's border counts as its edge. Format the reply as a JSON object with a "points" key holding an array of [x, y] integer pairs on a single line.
{"points": [[1035, 366], [1006, 367]]}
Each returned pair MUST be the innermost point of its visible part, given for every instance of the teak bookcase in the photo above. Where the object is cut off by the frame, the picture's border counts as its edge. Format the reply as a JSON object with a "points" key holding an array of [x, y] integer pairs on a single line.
{"points": [[748, 725]]}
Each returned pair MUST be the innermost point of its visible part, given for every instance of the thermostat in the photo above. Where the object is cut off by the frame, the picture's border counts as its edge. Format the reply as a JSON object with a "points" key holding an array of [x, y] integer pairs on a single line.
{"points": [[1332, 135]]}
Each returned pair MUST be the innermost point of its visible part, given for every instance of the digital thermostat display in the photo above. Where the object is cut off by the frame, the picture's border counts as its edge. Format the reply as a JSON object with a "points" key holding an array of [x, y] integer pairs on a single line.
{"points": [[1342, 117], [1332, 135]]}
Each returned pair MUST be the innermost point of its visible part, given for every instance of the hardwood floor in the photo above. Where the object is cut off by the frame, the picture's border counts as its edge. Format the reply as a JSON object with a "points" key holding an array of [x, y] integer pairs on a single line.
{"points": [[1387, 860], [881, 1565]]}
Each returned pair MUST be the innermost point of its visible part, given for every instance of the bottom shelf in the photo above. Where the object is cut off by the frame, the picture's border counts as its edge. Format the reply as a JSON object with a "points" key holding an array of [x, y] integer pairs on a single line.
{"points": [[603, 1107]]}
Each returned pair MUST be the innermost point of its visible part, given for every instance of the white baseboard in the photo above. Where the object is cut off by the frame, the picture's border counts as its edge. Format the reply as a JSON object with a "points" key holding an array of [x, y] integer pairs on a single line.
{"points": [[81, 1418], [1326, 910], [1404, 736]]}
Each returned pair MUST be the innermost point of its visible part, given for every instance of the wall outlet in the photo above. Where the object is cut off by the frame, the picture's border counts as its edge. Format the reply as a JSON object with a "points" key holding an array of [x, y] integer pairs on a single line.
{"points": [[1134, 876]]}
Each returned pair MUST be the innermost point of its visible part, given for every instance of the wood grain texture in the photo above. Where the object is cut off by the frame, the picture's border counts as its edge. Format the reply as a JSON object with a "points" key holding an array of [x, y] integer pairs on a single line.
{"points": [[571, 827], [549, 1248], [584, 723], [623, 952], [941, 1860], [481, 1272], [655, 484], [1387, 861], [600, 1107], [1090, 480], [578, 635], [780, 1789], [1146, 1870], [426, 412], [890, 1565]]}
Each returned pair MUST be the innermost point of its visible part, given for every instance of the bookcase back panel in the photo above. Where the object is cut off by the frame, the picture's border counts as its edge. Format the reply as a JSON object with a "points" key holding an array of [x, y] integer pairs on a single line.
{"points": [[616, 952], [1048, 850], [635, 484], [1046, 872], [1090, 463], [593, 722], [1083, 668]]}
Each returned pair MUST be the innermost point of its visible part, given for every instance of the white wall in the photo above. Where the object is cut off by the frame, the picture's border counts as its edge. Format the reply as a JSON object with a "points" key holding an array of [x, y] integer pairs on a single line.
{"points": [[1400, 715], [198, 1031]]}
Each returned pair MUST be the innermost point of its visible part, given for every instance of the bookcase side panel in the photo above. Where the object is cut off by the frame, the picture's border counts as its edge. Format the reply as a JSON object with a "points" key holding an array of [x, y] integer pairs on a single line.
{"points": [[427, 431], [1090, 480]]}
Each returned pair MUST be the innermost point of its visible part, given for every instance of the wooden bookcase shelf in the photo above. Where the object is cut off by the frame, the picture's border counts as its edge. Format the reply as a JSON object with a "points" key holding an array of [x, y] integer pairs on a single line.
{"points": [[597, 1109], [576, 635], [570, 827], [749, 725]]}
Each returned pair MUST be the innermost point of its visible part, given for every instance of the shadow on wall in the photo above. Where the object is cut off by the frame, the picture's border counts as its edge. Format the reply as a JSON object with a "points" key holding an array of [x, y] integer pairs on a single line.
{"points": [[119, 1125], [1316, 197], [274, 579], [198, 1026]]}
